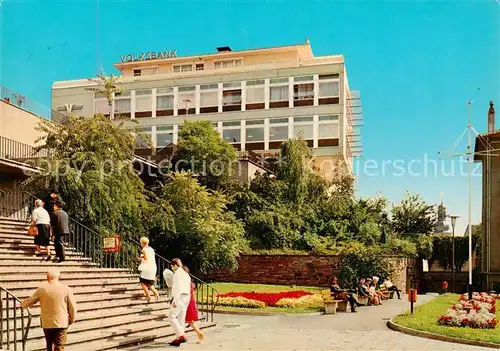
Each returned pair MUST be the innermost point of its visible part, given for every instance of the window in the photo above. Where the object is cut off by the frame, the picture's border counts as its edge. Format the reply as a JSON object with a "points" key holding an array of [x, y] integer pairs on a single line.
{"points": [[122, 106], [183, 68], [231, 132], [164, 102], [164, 136], [101, 105], [328, 131], [209, 98], [303, 91], [187, 100], [227, 63], [143, 103], [303, 128], [278, 132], [143, 137], [328, 89], [278, 93], [231, 97], [255, 95], [137, 72], [200, 66], [254, 135]]}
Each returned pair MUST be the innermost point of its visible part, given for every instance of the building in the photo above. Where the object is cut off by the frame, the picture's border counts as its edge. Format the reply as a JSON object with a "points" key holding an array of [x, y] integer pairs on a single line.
{"points": [[255, 98], [486, 152]]}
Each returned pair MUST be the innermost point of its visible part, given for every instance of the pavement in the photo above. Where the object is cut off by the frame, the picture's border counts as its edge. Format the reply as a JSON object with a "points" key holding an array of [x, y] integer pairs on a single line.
{"points": [[365, 330]]}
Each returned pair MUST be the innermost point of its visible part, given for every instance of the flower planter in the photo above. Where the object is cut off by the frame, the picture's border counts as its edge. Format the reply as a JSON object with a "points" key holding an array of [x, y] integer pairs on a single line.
{"points": [[331, 307]]}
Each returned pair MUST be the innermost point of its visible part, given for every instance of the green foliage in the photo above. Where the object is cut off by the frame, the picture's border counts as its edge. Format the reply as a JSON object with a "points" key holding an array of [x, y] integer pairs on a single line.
{"points": [[443, 248], [359, 261], [204, 233], [202, 150], [413, 216], [90, 165]]}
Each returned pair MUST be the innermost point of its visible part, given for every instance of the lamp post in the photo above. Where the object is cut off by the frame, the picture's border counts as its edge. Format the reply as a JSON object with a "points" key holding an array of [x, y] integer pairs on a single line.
{"points": [[453, 222]]}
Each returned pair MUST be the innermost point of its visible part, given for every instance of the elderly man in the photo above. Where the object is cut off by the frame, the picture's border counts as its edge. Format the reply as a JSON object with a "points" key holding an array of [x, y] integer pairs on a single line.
{"points": [[181, 290], [61, 229], [58, 310]]}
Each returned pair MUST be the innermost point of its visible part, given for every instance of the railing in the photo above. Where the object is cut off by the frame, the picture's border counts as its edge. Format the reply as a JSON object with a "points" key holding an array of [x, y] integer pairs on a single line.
{"points": [[9, 319], [90, 244], [24, 103], [17, 151]]}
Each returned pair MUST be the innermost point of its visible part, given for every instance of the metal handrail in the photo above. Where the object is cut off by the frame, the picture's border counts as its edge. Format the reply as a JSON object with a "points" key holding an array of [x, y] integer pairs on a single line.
{"points": [[24, 329], [90, 243]]}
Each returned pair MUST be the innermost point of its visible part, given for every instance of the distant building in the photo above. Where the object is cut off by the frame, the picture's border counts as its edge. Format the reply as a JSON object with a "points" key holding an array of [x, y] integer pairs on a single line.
{"points": [[255, 99]]}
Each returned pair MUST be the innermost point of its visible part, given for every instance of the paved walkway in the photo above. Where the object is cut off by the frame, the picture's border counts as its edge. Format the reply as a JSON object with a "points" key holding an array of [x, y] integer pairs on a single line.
{"points": [[365, 330]]}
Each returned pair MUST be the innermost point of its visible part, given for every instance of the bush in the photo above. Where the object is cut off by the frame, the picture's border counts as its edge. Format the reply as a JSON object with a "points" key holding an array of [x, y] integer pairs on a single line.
{"points": [[309, 301], [358, 261], [240, 302]]}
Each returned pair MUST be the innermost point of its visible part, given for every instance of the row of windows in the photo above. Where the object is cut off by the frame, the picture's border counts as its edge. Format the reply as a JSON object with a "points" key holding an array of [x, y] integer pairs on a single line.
{"points": [[212, 98], [190, 67], [256, 134]]}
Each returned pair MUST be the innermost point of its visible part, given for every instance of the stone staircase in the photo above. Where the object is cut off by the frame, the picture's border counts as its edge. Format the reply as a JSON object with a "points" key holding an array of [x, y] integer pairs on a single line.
{"points": [[111, 310]]}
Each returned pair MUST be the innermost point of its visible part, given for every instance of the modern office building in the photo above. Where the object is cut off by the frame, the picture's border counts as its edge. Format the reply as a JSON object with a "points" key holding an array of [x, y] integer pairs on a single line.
{"points": [[255, 98]]}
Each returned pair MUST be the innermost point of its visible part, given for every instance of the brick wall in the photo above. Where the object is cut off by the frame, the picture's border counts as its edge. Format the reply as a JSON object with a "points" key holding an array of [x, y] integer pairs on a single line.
{"points": [[307, 270]]}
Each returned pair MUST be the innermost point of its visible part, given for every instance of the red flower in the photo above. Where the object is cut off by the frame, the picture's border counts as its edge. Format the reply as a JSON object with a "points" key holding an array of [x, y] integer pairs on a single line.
{"points": [[270, 299]]}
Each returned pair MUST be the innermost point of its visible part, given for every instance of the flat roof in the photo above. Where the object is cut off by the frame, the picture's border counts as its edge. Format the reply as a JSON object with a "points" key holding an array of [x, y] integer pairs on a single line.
{"points": [[306, 48]]}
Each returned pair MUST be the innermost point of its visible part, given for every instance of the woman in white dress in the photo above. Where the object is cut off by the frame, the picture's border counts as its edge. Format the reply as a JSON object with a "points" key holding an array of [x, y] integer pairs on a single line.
{"points": [[147, 269]]}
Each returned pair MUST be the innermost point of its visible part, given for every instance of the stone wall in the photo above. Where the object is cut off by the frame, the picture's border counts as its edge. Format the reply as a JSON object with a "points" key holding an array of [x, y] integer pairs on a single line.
{"points": [[307, 270]]}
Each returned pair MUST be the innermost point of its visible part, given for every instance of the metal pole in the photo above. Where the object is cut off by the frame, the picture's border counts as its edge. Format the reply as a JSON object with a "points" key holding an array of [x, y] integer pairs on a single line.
{"points": [[469, 287], [453, 260]]}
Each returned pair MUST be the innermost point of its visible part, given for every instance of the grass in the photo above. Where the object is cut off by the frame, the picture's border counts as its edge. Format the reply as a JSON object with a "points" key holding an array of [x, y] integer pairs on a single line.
{"points": [[263, 288], [425, 319]]}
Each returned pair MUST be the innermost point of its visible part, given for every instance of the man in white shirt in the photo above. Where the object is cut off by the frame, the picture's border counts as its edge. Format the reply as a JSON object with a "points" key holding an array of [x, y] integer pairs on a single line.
{"points": [[181, 290], [391, 287]]}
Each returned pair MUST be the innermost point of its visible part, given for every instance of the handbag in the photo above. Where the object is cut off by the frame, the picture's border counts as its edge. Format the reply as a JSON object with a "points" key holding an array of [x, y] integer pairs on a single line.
{"points": [[32, 230]]}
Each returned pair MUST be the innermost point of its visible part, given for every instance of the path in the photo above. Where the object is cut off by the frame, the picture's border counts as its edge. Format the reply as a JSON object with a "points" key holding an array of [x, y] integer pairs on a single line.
{"points": [[365, 330]]}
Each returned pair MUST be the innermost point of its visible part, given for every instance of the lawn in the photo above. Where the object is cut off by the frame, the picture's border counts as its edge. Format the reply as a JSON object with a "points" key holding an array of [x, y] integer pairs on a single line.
{"points": [[426, 315], [263, 288]]}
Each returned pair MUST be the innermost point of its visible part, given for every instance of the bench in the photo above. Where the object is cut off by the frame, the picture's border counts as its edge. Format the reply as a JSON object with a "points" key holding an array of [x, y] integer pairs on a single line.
{"points": [[331, 305]]}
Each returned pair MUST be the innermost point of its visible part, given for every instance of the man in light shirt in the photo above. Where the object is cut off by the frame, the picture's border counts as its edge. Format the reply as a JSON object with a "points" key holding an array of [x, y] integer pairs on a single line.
{"points": [[181, 290], [58, 310], [391, 287]]}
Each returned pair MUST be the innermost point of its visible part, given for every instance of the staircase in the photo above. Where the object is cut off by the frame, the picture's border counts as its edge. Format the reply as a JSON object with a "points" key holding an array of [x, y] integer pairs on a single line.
{"points": [[112, 312]]}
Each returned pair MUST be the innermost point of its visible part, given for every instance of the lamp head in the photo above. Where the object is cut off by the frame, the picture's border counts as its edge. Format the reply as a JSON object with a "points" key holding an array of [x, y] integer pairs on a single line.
{"points": [[453, 219]]}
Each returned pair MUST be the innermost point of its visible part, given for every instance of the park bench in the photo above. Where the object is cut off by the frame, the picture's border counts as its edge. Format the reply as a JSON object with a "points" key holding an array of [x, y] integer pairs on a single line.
{"points": [[331, 305]]}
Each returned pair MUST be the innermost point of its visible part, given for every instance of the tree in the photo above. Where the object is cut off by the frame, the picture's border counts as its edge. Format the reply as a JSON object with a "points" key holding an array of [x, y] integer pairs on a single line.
{"points": [[204, 233], [202, 150], [413, 216], [90, 164]]}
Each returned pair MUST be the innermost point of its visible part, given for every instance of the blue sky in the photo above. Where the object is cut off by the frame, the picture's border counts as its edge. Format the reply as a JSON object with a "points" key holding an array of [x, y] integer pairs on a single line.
{"points": [[416, 64]]}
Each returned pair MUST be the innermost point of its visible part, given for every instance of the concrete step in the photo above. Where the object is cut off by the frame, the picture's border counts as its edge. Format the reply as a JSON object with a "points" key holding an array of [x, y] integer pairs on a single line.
{"points": [[26, 246], [40, 263], [65, 271], [32, 253], [75, 283], [12, 221], [95, 289], [87, 312], [27, 257], [105, 319], [69, 278]]}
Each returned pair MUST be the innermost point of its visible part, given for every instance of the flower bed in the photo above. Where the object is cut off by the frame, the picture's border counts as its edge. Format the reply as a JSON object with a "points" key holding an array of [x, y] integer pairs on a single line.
{"points": [[476, 313], [308, 301], [269, 299], [240, 302]]}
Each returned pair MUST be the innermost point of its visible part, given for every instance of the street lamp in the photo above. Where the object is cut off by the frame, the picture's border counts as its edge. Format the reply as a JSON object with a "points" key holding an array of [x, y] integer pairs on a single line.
{"points": [[453, 222]]}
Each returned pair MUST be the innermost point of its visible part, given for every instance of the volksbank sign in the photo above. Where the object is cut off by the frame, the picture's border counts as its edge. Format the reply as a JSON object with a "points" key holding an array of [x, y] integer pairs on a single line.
{"points": [[145, 56]]}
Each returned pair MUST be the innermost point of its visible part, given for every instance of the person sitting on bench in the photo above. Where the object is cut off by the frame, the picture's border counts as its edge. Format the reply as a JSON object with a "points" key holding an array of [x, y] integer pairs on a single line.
{"points": [[341, 294], [391, 287]]}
